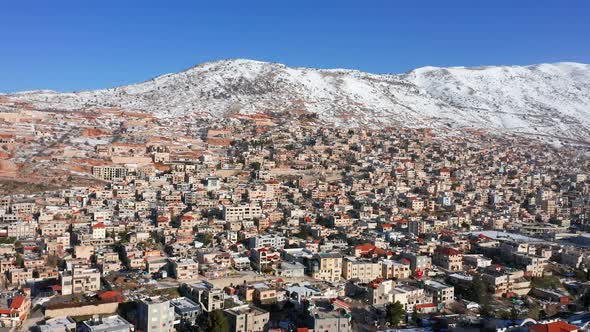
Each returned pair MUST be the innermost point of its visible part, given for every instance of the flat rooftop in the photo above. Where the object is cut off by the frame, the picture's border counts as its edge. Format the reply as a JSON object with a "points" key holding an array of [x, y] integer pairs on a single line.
{"points": [[106, 323], [184, 304]]}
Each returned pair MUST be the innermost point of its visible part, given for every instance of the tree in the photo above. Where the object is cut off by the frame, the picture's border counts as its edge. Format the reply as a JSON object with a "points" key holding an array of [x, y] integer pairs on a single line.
{"points": [[217, 322], [207, 238], [19, 261], [395, 313], [477, 291], [485, 310]]}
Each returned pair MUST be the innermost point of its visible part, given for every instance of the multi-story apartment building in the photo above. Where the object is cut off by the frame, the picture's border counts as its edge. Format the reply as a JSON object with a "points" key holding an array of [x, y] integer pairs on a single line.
{"points": [[380, 291], [448, 258], [418, 262], [184, 268], [155, 314], [360, 269], [326, 266], [20, 276], [109, 173], [79, 280], [241, 212], [247, 318], [186, 309], [391, 269], [209, 297], [264, 259], [477, 261], [267, 241], [441, 293], [410, 296]]}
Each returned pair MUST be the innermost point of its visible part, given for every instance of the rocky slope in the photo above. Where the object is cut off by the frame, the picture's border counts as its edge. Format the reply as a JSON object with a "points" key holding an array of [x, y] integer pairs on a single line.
{"points": [[550, 100]]}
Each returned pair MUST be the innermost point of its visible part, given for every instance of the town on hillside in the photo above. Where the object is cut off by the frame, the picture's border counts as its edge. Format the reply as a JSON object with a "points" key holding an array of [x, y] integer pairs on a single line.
{"points": [[119, 221]]}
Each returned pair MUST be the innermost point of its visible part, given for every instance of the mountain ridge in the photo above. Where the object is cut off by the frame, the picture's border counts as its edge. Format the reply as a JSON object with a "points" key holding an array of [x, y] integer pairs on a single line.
{"points": [[543, 99]]}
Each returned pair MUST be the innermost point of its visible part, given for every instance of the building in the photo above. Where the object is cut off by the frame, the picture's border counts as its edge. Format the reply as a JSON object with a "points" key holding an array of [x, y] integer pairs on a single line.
{"points": [[326, 266], [209, 297], [552, 295], [99, 230], [20, 276], [185, 269], [17, 312], [556, 326], [186, 310], [381, 291], [391, 269], [448, 258], [241, 212], [114, 323], [441, 293], [477, 261], [360, 269], [59, 324], [290, 269], [267, 241], [328, 320], [264, 260], [410, 296], [155, 314], [109, 173], [79, 280], [503, 281], [418, 262], [247, 318]]}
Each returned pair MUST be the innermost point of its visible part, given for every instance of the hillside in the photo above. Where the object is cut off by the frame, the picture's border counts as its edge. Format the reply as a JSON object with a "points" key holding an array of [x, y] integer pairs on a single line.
{"points": [[546, 99]]}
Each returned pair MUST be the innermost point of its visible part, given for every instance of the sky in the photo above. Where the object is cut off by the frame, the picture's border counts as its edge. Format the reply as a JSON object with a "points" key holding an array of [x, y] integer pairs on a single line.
{"points": [[80, 45]]}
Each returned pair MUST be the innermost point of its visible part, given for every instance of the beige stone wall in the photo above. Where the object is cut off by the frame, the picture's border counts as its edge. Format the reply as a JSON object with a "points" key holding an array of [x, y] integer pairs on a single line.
{"points": [[87, 310]]}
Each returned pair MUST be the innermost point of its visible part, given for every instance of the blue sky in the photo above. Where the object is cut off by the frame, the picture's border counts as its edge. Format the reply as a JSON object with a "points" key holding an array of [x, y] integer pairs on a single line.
{"points": [[75, 45]]}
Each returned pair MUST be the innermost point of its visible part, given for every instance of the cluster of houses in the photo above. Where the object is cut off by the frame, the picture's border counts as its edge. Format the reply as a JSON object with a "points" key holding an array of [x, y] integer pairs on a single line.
{"points": [[266, 225]]}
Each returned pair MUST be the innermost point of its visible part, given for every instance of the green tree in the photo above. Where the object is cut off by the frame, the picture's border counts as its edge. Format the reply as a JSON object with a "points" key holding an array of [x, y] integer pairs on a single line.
{"points": [[255, 166], [217, 322], [486, 310], [20, 262], [207, 238], [477, 290], [395, 313]]}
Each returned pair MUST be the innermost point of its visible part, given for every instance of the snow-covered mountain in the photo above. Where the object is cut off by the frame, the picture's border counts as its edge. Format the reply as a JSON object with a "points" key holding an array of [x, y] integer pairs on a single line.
{"points": [[546, 99]]}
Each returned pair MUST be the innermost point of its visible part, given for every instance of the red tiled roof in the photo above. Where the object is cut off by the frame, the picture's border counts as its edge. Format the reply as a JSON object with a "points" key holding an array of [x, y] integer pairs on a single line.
{"points": [[448, 251], [99, 225], [558, 326], [17, 302], [109, 295], [365, 247]]}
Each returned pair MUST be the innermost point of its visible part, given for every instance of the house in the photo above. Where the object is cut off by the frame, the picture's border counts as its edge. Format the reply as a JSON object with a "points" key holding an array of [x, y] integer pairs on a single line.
{"points": [[557, 326], [16, 312], [247, 318], [448, 258], [186, 309], [326, 266]]}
